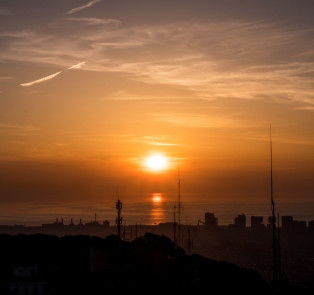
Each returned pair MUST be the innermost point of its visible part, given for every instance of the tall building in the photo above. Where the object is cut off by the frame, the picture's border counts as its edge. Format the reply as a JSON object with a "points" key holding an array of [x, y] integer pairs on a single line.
{"points": [[257, 222], [287, 222], [240, 221]]}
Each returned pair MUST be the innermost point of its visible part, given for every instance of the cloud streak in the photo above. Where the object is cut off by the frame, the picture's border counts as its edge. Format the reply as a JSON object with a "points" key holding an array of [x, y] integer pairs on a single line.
{"points": [[17, 130], [151, 140], [44, 79], [94, 21], [202, 121], [77, 9], [77, 66], [213, 61], [47, 78]]}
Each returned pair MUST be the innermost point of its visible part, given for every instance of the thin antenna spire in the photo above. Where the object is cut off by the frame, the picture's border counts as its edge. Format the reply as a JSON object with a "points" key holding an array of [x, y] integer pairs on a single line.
{"points": [[273, 212], [119, 218], [174, 225], [179, 204], [279, 255]]}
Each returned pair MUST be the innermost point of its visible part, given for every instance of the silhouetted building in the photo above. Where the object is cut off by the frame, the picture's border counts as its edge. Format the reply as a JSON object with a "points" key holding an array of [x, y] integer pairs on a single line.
{"points": [[287, 222], [257, 222], [210, 220], [311, 225], [299, 225], [270, 221], [54, 226], [240, 221], [92, 225]]}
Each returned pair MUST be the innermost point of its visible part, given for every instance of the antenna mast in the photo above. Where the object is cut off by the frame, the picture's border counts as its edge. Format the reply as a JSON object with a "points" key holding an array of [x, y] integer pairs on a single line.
{"points": [[179, 205], [119, 218], [174, 224], [273, 213], [279, 256]]}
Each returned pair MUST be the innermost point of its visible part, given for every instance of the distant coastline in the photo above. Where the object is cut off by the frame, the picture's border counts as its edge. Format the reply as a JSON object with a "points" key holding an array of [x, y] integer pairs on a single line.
{"points": [[148, 213]]}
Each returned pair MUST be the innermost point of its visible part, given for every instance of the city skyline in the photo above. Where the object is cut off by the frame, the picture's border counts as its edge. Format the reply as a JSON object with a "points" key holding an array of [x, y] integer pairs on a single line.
{"points": [[93, 93]]}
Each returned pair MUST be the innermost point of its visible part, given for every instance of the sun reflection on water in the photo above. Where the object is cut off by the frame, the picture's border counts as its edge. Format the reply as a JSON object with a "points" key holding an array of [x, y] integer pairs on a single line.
{"points": [[157, 212]]}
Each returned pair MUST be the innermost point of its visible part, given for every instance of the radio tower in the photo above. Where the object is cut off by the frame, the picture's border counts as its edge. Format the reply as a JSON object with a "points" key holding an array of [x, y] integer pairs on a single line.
{"points": [[174, 225], [179, 206], [119, 218], [273, 214]]}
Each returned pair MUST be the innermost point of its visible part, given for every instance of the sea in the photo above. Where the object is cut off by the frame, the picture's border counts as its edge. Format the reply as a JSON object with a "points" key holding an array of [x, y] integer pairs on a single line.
{"points": [[150, 212]]}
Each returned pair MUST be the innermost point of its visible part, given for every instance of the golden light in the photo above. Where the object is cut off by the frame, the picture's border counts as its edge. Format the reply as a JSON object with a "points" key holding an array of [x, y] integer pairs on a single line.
{"points": [[156, 162], [157, 198]]}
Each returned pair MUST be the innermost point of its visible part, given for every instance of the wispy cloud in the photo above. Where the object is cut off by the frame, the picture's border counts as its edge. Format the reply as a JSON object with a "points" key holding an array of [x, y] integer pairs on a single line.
{"points": [[308, 108], [6, 78], [17, 129], [77, 9], [201, 120], [41, 79], [47, 78], [213, 61], [151, 140], [122, 95], [94, 21], [16, 33], [77, 66]]}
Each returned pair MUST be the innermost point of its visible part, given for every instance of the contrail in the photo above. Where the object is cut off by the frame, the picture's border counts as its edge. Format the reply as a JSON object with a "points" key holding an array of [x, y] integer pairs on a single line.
{"points": [[77, 9], [77, 66], [41, 80]]}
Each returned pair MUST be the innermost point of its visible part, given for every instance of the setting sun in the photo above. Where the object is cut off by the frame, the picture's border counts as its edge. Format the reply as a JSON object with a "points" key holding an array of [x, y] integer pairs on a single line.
{"points": [[157, 197], [156, 162]]}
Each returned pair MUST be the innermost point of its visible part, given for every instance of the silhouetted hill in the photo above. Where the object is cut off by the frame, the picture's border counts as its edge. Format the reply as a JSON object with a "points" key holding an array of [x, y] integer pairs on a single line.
{"points": [[93, 265]]}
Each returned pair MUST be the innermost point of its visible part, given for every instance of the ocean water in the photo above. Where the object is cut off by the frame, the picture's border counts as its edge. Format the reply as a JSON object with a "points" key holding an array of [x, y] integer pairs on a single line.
{"points": [[154, 212]]}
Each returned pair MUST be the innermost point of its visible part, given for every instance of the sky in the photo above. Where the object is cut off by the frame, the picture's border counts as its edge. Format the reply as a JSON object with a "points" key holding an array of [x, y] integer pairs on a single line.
{"points": [[90, 89]]}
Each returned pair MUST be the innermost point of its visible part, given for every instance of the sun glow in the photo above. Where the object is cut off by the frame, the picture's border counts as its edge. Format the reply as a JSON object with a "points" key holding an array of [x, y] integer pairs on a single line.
{"points": [[156, 162], [157, 197]]}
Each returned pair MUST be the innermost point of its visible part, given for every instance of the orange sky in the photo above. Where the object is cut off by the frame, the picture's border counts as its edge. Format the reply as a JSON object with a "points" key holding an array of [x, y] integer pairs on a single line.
{"points": [[88, 89]]}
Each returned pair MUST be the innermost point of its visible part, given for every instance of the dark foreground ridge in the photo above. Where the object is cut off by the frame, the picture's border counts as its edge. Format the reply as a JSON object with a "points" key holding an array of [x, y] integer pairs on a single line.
{"points": [[44, 264]]}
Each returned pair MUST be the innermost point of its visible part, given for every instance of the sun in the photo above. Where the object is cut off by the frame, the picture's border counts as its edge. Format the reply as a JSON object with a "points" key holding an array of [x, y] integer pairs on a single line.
{"points": [[156, 162], [156, 197]]}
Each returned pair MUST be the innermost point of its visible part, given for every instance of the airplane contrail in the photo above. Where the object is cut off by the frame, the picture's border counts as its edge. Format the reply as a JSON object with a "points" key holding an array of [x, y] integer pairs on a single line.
{"points": [[41, 79], [77, 66]]}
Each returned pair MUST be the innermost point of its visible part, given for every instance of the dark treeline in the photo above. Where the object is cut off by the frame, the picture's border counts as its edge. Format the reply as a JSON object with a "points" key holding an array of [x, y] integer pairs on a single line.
{"points": [[93, 265]]}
